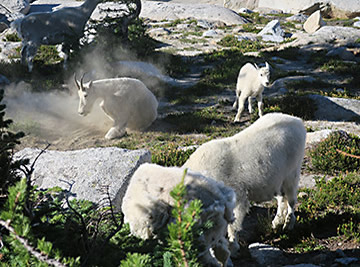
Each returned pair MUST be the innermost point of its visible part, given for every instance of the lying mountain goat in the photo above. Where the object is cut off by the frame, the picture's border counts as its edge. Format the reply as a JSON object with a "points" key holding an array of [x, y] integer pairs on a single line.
{"points": [[126, 101], [260, 162], [64, 26], [147, 206], [250, 83]]}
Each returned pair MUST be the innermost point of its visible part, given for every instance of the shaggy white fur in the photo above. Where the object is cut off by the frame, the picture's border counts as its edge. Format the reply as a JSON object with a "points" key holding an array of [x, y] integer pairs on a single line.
{"points": [[126, 101], [260, 162], [147, 206], [250, 83]]}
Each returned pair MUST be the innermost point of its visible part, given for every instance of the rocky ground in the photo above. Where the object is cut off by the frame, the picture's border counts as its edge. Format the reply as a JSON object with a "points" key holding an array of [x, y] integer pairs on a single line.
{"points": [[52, 118]]}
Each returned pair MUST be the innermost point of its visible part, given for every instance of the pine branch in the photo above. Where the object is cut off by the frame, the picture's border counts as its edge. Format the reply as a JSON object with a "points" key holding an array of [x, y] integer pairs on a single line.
{"points": [[347, 154], [29, 248]]}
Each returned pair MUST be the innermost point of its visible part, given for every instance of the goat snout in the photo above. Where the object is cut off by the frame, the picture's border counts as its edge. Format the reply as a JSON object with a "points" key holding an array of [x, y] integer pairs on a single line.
{"points": [[82, 113]]}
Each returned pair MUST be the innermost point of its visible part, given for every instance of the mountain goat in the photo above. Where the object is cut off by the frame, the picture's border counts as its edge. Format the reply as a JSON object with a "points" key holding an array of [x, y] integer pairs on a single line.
{"points": [[147, 206], [126, 101], [250, 83], [260, 162], [64, 26]]}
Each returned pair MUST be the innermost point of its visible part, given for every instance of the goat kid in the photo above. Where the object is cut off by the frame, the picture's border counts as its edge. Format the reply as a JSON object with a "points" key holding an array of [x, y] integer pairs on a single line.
{"points": [[250, 83]]}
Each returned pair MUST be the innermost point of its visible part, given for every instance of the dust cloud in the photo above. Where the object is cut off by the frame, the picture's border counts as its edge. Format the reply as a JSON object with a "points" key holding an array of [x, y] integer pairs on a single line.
{"points": [[51, 117]]}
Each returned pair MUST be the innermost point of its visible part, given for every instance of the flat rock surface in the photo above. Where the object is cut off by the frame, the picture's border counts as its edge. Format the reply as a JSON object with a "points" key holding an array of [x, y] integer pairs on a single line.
{"points": [[172, 11], [89, 171]]}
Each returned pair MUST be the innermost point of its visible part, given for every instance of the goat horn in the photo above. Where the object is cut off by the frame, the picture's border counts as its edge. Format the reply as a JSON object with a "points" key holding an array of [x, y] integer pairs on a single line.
{"points": [[76, 82], [81, 80]]}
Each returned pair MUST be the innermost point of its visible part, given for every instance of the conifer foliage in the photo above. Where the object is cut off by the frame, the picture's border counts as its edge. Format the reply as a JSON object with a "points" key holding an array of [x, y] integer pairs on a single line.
{"points": [[8, 140]]}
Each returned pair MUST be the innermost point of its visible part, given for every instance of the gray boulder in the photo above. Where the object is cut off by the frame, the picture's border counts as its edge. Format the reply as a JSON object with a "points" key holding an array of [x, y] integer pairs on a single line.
{"points": [[272, 32], [331, 8], [236, 5], [342, 53], [314, 22], [327, 35], [171, 11], [89, 170]]}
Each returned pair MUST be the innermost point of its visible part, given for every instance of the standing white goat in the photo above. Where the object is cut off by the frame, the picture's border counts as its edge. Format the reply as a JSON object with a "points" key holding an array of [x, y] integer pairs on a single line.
{"points": [[64, 26], [250, 83], [147, 207], [260, 162], [126, 101]]}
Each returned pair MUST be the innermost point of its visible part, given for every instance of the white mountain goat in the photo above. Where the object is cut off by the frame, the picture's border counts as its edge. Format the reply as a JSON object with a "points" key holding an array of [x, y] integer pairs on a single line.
{"points": [[250, 83], [260, 162], [126, 101], [147, 206], [64, 26]]}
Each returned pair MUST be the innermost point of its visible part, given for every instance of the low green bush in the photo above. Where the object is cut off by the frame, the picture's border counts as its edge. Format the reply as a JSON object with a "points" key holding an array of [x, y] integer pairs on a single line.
{"points": [[293, 104], [329, 155], [170, 155], [243, 45]]}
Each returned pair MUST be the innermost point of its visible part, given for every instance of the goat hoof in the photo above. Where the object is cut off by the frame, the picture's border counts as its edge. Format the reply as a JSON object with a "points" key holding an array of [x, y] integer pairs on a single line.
{"points": [[114, 133]]}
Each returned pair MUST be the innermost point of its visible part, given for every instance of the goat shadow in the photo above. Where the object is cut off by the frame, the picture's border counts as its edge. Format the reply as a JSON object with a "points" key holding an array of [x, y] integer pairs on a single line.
{"points": [[43, 8]]}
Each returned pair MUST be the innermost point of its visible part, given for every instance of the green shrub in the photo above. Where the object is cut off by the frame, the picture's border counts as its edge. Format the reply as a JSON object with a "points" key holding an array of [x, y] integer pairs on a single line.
{"points": [[296, 105], [12, 37], [137, 260], [170, 155], [327, 156], [185, 231], [243, 45], [340, 67]]}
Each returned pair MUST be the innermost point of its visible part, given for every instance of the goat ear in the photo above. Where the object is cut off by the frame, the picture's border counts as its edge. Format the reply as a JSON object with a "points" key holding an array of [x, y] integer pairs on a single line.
{"points": [[256, 66], [267, 65], [76, 82]]}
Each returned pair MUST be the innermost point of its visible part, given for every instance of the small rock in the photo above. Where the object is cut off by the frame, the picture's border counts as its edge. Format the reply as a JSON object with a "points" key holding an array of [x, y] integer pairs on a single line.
{"points": [[205, 24], [298, 18], [272, 32], [342, 53], [340, 253], [314, 22], [220, 24], [318, 136], [357, 24], [265, 254], [4, 80], [159, 32], [182, 26], [3, 26], [320, 258], [347, 261], [244, 10], [210, 33], [186, 148]]}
